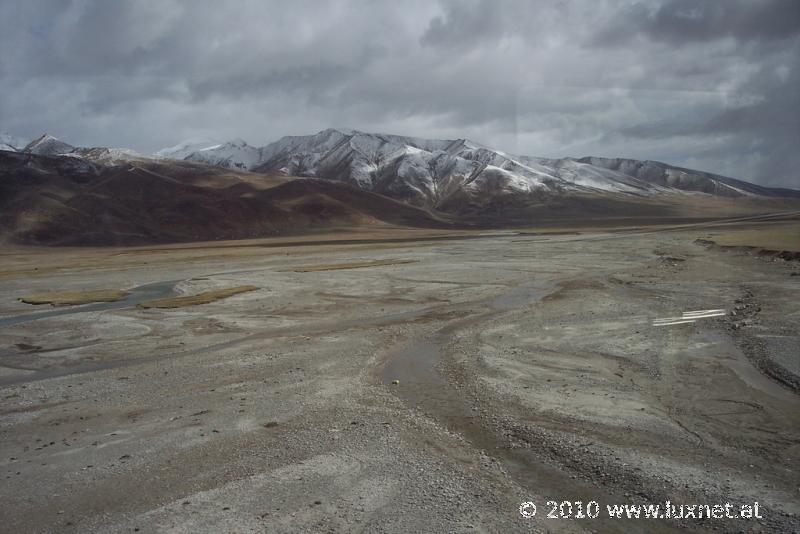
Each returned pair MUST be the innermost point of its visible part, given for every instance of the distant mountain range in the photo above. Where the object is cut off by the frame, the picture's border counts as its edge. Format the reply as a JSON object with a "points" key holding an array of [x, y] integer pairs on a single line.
{"points": [[431, 172], [54, 192], [426, 172]]}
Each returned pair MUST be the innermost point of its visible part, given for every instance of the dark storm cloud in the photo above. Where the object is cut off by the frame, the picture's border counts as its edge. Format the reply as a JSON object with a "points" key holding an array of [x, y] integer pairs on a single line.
{"points": [[707, 84], [682, 21]]}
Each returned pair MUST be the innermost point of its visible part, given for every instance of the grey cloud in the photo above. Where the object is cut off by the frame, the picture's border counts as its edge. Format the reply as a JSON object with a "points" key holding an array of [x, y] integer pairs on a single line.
{"points": [[681, 21], [694, 84], [465, 24]]}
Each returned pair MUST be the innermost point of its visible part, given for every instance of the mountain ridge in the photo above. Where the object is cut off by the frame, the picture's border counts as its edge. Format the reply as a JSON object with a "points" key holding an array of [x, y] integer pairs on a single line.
{"points": [[103, 196], [446, 175], [66, 200], [428, 172]]}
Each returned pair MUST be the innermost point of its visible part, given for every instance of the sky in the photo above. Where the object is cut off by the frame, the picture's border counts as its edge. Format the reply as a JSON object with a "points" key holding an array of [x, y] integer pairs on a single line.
{"points": [[707, 84]]}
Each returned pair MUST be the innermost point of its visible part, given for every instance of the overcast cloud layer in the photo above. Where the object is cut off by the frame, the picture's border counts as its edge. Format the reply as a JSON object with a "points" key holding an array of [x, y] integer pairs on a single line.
{"points": [[713, 85]]}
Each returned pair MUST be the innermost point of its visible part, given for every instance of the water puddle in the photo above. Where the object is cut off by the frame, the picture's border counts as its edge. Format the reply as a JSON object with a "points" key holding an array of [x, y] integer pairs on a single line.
{"points": [[520, 296], [417, 364], [137, 295], [421, 386]]}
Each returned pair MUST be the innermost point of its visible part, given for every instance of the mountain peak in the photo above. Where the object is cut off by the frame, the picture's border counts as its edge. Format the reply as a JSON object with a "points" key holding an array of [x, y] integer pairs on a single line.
{"points": [[48, 145], [343, 131]]}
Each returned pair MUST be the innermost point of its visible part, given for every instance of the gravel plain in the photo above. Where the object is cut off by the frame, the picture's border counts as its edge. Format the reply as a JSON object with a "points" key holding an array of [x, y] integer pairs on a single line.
{"points": [[432, 385]]}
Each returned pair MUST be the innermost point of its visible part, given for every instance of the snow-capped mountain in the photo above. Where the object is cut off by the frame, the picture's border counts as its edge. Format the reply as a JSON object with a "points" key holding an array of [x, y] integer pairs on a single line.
{"points": [[109, 156], [434, 183], [47, 145], [670, 176], [236, 153], [422, 171], [430, 172]]}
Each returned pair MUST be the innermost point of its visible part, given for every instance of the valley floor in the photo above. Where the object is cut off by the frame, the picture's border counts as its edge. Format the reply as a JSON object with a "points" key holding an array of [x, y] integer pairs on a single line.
{"points": [[408, 382]]}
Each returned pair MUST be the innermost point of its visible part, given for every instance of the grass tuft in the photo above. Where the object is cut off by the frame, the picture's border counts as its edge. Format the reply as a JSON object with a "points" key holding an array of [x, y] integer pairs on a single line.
{"points": [[74, 298], [193, 300]]}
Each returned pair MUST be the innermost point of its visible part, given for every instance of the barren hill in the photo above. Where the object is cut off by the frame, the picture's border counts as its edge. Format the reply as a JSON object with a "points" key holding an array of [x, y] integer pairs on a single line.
{"points": [[73, 201]]}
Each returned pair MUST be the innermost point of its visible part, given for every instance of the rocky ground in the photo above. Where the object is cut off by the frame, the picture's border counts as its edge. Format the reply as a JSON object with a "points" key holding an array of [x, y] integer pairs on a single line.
{"points": [[395, 387]]}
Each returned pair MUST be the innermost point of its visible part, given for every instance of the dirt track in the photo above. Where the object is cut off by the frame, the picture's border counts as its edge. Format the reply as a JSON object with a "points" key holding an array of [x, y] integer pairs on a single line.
{"points": [[530, 367]]}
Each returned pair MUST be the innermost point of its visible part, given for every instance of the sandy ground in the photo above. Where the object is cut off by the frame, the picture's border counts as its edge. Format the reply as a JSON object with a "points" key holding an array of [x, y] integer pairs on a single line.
{"points": [[775, 237], [531, 367]]}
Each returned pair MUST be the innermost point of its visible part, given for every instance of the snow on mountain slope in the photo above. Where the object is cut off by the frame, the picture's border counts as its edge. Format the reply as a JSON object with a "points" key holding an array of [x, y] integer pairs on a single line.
{"points": [[430, 171], [236, 153], [109, 156], [47, 145], [184, 149], [596, 177], [424, 171], [672, 177]]}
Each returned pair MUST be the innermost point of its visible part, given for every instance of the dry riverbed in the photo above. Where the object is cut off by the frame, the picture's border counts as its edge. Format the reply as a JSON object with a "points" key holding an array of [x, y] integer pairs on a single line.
{"points": [[619, 367]]}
